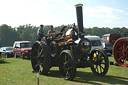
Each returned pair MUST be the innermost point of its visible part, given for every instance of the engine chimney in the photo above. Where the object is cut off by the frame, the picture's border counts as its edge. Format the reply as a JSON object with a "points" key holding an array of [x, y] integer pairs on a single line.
{"points": [[79, 15]]}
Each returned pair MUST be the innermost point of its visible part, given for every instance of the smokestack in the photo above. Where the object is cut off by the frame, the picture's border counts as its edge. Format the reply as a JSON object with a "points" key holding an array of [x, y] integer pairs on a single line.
{"points": [[79, 15]]}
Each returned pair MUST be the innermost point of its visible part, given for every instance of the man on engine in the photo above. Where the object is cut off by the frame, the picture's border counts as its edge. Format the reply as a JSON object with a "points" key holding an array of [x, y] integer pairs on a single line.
{"points": [[40, 32], [52, 32]]}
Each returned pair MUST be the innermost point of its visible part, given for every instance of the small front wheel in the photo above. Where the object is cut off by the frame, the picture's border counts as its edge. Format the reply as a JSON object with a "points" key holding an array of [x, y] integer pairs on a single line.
{"points": [[67, 65], [100, 62]]}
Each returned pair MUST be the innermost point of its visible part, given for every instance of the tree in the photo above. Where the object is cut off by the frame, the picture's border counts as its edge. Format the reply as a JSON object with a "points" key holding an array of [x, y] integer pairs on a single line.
{"points": [[116, 30], [88, 31], [7, 35]]}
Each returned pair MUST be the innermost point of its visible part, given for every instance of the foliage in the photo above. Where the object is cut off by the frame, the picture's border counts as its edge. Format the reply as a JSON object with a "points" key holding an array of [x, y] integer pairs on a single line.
{"points": [[28, 32], [7, 35]]}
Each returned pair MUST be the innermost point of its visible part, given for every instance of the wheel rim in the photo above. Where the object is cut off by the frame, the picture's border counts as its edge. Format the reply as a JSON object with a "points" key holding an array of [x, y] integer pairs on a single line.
{"points": [[100, 63], [121, 51], [36, 58], [67, 66]]}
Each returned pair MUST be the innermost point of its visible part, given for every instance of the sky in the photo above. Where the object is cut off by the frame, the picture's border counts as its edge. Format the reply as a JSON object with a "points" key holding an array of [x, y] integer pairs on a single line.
{"points": [[96, 13]]}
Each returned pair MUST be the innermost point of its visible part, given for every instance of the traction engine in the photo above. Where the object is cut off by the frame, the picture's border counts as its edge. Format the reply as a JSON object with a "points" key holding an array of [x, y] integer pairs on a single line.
{"points": [[68, 51]]}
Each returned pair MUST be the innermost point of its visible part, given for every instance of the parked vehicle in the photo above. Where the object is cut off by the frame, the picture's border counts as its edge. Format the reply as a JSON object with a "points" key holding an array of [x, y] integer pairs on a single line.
{"points": [[110, 38], [22, 49], [6, 51], [108, 47]]}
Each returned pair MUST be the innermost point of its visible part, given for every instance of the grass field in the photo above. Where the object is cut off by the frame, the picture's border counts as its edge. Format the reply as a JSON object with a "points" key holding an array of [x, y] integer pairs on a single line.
{"points": [[15, 71]]}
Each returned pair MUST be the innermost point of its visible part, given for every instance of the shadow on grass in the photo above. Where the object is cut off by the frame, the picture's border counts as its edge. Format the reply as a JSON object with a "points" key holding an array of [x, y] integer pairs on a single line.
{"points": [[54, 73], [2, 61], [90, 78]]}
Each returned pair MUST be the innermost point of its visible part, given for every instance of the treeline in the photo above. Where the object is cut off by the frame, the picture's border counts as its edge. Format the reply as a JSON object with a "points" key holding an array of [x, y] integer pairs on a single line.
{"points": [[28, 32]]}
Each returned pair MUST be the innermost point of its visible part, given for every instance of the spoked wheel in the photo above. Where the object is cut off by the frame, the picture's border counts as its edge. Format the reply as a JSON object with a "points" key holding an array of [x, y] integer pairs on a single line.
{"points": [[120, 51], [40, 58], [100, 62], [67, 65]]}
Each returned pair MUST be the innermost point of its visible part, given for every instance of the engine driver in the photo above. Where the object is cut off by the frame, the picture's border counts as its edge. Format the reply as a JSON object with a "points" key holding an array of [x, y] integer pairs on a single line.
{"points": [[40, 32]]}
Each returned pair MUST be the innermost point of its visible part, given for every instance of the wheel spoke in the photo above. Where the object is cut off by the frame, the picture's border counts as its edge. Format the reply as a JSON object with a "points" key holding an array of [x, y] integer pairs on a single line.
{"points": [[67, 73], [36, 49], [36, 65], [96, 68], [34, 57], [65, 69], [69, 60], [123, 45], [101, 67], [66, 58], [121, 57], [102, 63], [39, 48], [126, 47]]}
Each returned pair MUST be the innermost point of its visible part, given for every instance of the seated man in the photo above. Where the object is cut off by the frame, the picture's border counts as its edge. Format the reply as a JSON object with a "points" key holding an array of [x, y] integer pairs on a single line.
{"points": [[40, 32], [52, 32]]}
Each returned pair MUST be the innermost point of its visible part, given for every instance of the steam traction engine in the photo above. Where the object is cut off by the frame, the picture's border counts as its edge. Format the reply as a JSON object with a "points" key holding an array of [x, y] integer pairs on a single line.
{"points": [[68, 51], [120, 50]]}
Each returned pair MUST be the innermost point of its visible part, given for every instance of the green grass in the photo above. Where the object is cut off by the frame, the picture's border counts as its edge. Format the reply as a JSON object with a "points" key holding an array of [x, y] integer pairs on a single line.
{"points": [[15, 71]]}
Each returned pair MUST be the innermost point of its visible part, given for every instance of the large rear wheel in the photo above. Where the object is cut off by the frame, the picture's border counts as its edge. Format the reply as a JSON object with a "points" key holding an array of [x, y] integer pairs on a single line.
{"points": [[67, 65], [100, 62], [40, 58]]}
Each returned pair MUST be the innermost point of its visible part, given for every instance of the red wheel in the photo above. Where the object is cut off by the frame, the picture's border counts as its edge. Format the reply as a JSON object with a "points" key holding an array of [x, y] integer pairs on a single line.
{"points": [[120, 51]]}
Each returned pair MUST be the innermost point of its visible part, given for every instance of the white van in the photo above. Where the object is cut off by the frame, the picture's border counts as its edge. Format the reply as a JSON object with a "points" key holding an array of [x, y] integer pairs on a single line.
{"points": [[95, 41]]}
